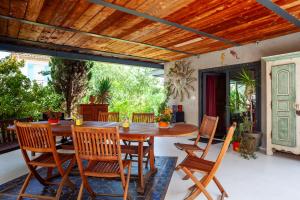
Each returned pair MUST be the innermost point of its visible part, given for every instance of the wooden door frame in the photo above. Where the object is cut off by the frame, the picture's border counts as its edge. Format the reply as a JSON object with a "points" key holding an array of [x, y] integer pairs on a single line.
{"points": [[228, 70]]}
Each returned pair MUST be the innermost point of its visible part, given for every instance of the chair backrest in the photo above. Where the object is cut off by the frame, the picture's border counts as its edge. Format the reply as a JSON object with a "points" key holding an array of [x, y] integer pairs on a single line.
{"points": [[35, 137], [108, 117], [221, 154], [208, 128], [95, 143], [143, 117]]}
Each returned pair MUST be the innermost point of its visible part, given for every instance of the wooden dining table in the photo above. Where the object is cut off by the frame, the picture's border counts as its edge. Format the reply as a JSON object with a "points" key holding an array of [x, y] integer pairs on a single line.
{"points": [[139, 132]]}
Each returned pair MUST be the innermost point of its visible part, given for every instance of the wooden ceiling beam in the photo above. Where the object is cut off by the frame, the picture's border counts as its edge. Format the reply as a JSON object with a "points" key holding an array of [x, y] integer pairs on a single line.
{"points": [[163, 21], [28, 46], [279, 11], [91, 34]]}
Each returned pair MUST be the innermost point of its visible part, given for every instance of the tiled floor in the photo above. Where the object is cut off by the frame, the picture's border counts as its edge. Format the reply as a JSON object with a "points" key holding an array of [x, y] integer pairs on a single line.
{"points": [[268, 177]]}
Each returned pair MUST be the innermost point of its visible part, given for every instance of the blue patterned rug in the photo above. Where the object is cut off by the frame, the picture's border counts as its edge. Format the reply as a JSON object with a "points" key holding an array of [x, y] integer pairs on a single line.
{"points": [[156, 186]]}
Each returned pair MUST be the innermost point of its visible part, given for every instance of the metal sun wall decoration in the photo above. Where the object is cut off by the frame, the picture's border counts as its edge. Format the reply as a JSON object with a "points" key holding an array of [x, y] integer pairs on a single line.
{"points": [[180, 80]]}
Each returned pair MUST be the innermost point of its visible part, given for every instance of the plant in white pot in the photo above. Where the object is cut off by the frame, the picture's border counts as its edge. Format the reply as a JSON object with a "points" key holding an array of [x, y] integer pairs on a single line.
{"points": [[246, 78]]}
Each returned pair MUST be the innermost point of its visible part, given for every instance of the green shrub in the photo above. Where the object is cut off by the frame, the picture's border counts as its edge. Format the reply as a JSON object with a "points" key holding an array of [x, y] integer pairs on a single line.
{"points": [[19, 97], [133, 89]]}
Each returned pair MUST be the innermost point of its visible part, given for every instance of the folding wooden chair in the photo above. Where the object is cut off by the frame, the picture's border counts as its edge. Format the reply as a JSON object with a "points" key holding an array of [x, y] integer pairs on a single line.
{"points": [[194, 164], [143, 117], [101, 148], [38, 138], [130, 148], [208, 129], [108, 117]]}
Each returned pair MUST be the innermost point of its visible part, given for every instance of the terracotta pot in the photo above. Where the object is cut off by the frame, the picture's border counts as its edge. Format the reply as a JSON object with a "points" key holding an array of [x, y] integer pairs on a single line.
{"points": [[53, 121], [236, 146], [163, 124]]}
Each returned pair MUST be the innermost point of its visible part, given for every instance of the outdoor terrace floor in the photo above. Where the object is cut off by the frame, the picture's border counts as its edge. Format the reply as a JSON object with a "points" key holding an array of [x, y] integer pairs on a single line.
{"points": [[267, 177]]}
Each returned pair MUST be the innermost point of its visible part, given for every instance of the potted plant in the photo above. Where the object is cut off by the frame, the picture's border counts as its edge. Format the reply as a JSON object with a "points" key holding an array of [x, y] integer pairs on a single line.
{"points": [[164, 118], [102, 91], [53, 117], [236, 140], [248, 120]]}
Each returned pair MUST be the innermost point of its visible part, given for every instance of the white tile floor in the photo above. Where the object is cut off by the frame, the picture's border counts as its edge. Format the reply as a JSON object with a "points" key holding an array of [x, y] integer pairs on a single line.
{"points": [[268, 177]]}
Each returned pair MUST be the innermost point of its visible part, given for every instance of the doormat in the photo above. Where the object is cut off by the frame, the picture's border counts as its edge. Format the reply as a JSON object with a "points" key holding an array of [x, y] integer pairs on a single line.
{"points": [[205, 140]]}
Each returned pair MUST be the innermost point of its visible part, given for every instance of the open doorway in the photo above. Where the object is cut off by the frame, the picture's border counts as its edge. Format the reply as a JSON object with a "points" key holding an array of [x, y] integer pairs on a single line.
{"points": [[220, 91], [215, 99]]}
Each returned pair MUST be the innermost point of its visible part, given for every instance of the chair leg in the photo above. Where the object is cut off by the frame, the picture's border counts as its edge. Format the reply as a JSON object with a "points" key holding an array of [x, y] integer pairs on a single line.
{"points": [[186, 177], [126, 156], [222, 190], [147, 161], [126, 144], [65, 179], [79, 197], [193, 187], [25, 184], [49, 172], [127, 183], [88, 187], [200, 187], [37, 176]]}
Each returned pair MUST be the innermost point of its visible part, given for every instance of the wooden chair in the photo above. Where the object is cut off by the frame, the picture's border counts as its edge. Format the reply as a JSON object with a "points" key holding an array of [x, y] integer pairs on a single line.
{"points": [[130, 148], [194, 164], [143, 117], [108, 117], [208, 129], [38, 138], [101, 148]]}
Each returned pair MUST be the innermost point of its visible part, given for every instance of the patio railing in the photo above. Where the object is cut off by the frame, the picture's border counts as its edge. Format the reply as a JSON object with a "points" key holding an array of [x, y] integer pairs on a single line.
{"points": [[8, 139]]}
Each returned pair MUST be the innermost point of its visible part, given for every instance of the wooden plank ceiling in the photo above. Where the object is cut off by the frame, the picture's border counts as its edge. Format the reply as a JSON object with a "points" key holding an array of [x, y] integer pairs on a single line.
{"points": [[129, 36]]}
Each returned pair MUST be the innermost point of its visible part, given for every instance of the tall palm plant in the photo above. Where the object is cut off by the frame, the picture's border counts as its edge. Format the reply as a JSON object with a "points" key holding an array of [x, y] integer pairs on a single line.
{"points": [[246, 79], [102, 91]]}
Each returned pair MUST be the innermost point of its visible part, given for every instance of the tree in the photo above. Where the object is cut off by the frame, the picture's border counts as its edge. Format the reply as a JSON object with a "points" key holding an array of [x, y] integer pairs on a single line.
{"points": [[45, 98], [69, 78], [19, 97], [14, 89], [133, 89]]}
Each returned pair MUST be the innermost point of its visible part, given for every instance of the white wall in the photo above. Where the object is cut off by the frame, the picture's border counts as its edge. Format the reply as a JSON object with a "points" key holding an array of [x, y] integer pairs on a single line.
{"points": [[247, 53]]}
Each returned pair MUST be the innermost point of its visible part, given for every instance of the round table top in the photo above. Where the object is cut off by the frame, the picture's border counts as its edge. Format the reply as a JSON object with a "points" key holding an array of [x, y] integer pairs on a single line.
{"points": [[135, 129]]}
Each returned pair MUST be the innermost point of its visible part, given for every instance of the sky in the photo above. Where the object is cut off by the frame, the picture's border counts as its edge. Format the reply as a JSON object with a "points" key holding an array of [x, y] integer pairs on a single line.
{"points": [[3, 54]]}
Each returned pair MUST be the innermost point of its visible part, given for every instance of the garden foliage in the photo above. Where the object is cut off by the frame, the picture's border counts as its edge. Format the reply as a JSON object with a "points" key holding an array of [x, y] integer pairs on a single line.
{"points": [[19, 97]]}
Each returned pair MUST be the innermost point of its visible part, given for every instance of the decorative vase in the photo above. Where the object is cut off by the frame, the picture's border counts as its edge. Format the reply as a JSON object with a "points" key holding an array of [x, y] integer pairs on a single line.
{"points": [[236, 146], [126, 123], [79, 120], [53, 121], [163, 124]]}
